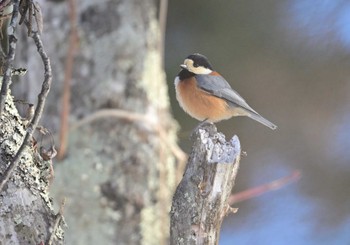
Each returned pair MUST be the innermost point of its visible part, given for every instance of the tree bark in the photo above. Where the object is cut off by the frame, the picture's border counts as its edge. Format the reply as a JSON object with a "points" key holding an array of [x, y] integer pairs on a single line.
{"points": [[119, 172], [200, 201], [26, 212]]}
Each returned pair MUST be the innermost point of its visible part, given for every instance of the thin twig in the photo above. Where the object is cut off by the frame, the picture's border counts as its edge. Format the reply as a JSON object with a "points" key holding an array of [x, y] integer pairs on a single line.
{"points": [[58, 219], [73, 37], [126, 115], [262, 189], [131, 117], [30, 18], [45, 88], [10, 56]]}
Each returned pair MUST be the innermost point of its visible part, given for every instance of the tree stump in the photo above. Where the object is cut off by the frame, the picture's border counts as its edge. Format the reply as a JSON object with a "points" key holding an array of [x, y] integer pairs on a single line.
{"points": [[200, 201]]}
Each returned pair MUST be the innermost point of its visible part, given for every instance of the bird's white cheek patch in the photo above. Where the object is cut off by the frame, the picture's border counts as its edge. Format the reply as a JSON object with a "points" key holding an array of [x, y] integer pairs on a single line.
{"points": [[201, 70]]}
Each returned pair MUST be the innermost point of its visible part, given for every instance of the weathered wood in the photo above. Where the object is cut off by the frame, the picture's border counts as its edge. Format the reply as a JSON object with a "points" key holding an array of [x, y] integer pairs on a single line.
{"points": [[200, 201]]}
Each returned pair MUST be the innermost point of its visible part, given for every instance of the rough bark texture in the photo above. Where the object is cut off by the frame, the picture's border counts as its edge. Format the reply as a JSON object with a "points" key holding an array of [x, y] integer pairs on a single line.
{"points": [[200, 201], [26, 212], [119, 175]]}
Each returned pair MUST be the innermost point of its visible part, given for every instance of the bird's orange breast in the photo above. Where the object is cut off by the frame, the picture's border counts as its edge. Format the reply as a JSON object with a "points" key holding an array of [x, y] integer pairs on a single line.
{"points": [[199, 103]]}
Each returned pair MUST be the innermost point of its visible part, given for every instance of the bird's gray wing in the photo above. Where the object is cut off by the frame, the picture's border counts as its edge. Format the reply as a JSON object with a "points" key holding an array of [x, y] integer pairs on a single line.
{"points": [[219, 87]]}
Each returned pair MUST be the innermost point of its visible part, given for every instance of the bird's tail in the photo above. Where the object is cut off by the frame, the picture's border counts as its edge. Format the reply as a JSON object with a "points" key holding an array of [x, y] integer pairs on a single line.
{"points": [[262, 120]]}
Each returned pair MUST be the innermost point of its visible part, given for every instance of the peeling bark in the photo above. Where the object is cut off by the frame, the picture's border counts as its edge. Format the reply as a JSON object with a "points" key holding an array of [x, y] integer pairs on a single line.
{"points": [[200, 201]]}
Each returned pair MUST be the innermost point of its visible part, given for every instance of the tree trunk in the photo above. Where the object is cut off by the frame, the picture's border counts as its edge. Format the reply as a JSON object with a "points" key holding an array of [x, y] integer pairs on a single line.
{"points": [[119, 171], [26, 213], [201, 199]]}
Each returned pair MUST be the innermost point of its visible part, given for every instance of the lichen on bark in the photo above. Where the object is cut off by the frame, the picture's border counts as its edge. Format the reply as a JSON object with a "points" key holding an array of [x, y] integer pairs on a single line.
{"points": [[26, 212]]}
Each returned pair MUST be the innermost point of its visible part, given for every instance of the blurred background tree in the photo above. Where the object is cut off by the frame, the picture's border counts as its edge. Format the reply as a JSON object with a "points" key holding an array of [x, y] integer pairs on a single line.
{"points": [[118, 172], [290, 60]]}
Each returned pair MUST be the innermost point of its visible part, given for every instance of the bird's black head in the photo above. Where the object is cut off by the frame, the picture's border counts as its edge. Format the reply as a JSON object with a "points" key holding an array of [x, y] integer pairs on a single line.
{"points": [[195, 64], [200, 60]]}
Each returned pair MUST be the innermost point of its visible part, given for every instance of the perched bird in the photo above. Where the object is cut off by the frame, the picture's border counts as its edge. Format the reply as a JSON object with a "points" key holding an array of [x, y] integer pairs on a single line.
{"points": [[206, 96]]}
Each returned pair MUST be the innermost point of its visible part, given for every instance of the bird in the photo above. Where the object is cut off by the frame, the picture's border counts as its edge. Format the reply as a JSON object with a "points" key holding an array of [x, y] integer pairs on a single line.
{"points": [[206, 95]]}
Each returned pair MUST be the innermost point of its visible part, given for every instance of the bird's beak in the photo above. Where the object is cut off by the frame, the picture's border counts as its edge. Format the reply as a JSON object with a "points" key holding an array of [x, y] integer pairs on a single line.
{"points": [[183, 66]]}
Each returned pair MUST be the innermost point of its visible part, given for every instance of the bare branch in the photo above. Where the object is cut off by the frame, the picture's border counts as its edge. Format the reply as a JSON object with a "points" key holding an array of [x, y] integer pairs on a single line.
{"points": [[38, 17], [69, 63], [10, 56], [29, 9], [262, 189], [132, 117], [38, 110]]}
